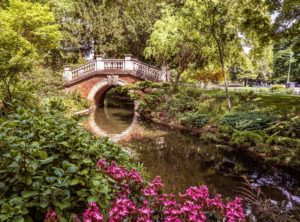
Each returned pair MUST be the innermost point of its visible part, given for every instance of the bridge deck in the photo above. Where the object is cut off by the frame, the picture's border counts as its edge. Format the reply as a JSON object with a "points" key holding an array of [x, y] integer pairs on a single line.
{"points": [[127, 66]]}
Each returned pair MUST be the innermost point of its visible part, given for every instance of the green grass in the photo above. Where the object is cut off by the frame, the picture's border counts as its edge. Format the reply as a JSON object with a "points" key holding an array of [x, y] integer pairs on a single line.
{"points": [[283, 103]]}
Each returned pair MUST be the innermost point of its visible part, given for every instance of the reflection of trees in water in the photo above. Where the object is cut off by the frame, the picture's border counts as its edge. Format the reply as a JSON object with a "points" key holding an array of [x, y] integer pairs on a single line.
{"points": [[182, 162], [114, 120]]}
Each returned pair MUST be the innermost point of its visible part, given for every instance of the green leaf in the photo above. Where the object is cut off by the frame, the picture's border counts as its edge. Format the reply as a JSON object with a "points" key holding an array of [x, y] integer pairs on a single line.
{"points": [[74, 181], [75, 155], [4, 217], [19, 219], [47, 160], [87, 160], [61, 205], [92, 199], [72, 169], [44, 202], [66, 144], [82, 193], [58, 172], [16, 201], [28, 194]]}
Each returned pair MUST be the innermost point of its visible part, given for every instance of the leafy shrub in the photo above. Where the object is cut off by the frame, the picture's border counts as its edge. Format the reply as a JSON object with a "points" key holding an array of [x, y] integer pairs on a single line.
{"points": [[246, 96], [46, 160], [195, 119], [246, 138], [286, 128], [57, 104], [180, 104], [277, 88], [283, 141], [137, 200], [247, 120]]}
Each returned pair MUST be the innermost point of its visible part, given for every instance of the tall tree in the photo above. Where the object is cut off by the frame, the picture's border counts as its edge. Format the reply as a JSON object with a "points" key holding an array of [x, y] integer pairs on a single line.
{"points": [[174, 43], [28, 35]]}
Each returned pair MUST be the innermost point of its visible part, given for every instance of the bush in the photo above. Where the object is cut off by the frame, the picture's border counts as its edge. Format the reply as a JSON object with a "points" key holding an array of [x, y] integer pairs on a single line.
{"points": [[47, 160], [180, 104], [288, 128], [277, 88], [195, 119], [247, 120], [137, 200], [246, 138]]}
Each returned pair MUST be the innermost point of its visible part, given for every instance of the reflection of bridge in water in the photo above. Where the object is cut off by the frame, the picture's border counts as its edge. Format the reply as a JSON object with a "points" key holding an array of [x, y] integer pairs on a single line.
{"points": [[94, 79]]}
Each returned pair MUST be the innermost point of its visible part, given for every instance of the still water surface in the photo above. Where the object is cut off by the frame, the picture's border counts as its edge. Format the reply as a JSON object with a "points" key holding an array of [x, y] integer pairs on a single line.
{"points": [[182, 160]]}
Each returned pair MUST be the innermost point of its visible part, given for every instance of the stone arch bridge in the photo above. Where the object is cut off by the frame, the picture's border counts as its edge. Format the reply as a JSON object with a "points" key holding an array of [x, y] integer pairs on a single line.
{"points": [[95, 78]]}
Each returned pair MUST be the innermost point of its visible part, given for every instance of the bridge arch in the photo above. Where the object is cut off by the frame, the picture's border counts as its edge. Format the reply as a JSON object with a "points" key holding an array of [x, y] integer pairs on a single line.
{"points": [[99, 90]]}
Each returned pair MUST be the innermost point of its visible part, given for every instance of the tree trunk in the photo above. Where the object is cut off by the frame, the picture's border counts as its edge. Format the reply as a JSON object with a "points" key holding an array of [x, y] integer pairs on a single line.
{"points": [[7, 85], [175, 86], [225, 84], [221, 56]]}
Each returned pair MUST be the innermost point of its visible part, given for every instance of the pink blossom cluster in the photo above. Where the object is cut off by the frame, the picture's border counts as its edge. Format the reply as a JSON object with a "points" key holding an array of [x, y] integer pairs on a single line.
{"points": [[147, 201], [119, 173], [139, 201], [92, 213], [51, 216], [233, 210]]}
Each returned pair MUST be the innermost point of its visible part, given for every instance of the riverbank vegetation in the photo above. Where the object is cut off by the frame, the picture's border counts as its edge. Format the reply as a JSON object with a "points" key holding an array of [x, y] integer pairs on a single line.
{"points": [[47, 158], [267, 127]]}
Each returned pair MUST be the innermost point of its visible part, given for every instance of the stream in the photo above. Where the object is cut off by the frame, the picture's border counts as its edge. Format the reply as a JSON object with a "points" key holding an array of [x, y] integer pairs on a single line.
{"points": [[183, 160]]}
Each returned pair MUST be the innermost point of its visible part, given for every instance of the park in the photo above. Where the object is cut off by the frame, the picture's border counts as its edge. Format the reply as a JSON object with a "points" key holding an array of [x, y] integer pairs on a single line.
{"points": [[149, 111]]}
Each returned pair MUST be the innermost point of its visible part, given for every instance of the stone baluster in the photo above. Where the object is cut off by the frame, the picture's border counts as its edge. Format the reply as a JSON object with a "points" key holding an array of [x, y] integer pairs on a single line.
{"points": [[67, 73], [164, 76], [99, 62], [128, 64]]}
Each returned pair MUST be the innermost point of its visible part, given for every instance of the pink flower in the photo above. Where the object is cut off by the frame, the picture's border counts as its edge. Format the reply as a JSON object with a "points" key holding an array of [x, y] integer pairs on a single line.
{"points": [[116, 172], [234, 210], [101, 164], [121, 209], [135, 176], [92, 214], [157, 183], [216, 202], [51, 216], [197, 193]]}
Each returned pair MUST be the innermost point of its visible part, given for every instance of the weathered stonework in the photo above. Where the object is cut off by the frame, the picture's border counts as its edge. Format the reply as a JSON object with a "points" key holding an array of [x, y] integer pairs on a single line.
{"points": [[95, 86]]}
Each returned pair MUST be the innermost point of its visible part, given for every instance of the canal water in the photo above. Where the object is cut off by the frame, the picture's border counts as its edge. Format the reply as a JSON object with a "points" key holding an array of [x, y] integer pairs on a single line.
{"points": [[183, 160]]}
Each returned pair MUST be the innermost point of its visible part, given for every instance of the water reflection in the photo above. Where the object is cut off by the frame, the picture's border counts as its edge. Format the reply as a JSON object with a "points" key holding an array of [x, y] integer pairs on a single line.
{"points": [[182, 161], [113, 120]]}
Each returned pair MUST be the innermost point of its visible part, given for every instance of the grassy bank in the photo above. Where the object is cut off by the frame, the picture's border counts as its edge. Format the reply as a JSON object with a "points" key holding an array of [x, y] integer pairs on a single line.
{"points": [[265, 126]]}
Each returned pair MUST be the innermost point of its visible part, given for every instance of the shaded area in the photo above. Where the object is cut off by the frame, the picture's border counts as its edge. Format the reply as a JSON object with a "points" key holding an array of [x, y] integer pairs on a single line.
{"points": [[182, 161], [117, 112], [114, 120]]}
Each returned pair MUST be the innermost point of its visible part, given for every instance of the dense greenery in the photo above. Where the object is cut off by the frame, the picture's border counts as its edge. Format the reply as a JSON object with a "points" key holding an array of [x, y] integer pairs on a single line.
{"points": [[47, 160], [47, 157], [266, 126]]}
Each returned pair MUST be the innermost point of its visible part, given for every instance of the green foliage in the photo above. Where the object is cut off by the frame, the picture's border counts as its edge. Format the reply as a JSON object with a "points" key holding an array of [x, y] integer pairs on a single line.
{"points": [[47, 160], [287, 128], [246, 138], [28, 34], [276, 88], [247, 120], [195, 119]]}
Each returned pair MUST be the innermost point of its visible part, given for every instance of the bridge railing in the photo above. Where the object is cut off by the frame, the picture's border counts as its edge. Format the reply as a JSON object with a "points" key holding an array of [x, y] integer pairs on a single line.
{"points": [[135, 67]]}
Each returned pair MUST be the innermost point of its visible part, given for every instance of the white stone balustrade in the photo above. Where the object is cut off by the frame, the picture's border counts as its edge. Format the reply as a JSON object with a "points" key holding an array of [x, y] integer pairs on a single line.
{"points": [[135, 67]]}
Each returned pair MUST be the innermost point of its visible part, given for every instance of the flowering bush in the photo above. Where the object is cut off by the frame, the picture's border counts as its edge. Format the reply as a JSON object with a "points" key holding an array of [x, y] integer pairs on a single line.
{"points": [[137, 200]]}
